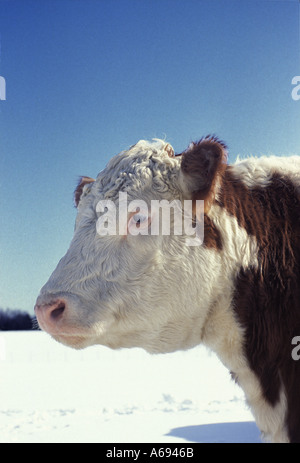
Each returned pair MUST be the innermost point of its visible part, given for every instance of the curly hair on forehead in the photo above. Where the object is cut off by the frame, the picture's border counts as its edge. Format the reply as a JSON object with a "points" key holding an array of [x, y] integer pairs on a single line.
{"points": [[145, 164]]}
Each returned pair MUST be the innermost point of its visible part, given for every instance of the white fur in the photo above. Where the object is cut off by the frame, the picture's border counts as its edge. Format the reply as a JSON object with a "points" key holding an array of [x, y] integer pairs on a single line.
{"points": [[258, 171]]}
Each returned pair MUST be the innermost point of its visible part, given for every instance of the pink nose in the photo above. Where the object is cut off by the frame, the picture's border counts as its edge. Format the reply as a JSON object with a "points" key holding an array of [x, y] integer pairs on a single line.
{"points": [[50, 315]]}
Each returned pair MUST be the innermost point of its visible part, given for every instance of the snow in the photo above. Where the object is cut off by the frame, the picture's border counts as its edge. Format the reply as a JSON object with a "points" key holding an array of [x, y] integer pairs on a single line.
{"points": [[52, 394]]}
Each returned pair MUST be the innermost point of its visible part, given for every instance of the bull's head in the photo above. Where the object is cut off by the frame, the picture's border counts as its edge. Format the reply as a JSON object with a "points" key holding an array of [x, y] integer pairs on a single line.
{"points": [[119, 283]]}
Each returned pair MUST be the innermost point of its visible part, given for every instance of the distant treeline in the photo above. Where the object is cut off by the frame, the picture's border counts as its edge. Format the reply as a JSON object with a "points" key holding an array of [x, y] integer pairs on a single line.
{"points": [[16, 320]]}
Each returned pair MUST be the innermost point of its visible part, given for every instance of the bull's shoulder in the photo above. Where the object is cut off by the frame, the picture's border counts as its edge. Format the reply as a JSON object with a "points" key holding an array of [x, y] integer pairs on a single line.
{"points": [[263, 196], [259, 171]]}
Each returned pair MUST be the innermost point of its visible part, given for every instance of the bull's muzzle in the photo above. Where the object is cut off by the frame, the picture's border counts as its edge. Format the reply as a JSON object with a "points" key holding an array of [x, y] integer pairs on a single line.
{"points": [[50, 315]]}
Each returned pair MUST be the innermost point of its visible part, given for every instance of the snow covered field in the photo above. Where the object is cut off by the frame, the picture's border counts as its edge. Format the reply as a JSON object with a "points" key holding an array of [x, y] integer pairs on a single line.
{"points": [[50, 393]]}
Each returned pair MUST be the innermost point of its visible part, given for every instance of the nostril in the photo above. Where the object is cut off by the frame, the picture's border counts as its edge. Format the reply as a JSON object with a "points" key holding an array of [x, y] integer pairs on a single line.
{"points": [[51, 313], [58, 311]]}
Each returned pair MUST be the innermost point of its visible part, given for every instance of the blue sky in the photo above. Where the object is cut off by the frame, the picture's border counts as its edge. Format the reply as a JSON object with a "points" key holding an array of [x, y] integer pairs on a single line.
{"points": [[85, 79]]}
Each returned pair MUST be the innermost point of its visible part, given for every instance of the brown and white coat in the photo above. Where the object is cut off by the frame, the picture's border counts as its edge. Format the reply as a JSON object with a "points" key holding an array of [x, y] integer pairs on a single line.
{"points": [[238, 293]]}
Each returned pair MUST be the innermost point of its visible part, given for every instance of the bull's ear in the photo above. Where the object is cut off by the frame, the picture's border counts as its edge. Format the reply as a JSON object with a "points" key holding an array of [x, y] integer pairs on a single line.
{"points": [[79, 189], [202, 166]]}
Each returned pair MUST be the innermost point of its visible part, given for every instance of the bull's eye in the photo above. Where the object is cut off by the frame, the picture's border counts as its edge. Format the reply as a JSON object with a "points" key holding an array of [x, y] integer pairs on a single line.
{"points": [[138, 223], [139, 219]]}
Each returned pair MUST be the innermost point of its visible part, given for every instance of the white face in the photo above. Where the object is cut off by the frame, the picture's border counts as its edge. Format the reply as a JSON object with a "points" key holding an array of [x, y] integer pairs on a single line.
{"points": [[128, 287]]}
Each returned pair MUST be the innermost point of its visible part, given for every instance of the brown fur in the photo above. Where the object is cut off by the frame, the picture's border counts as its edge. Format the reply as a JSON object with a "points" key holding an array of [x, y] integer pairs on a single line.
{"points": [[203, 165], [79, 189], [212, 236]]}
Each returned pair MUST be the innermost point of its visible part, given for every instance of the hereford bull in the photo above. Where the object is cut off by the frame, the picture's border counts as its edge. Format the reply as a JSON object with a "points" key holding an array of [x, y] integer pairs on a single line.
{"points": [[238, 292]]}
